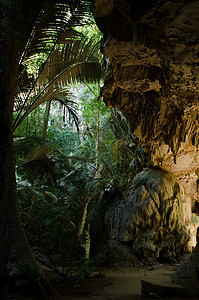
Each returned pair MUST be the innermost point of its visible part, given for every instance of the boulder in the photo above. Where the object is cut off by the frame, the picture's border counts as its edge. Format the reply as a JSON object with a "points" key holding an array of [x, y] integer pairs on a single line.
{"points": [[152, 219]]}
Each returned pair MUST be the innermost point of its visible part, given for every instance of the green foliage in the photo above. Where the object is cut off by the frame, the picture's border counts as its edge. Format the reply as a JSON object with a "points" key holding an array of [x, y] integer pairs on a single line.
{"points": [[53, 222], [35, 62], [32, 125], [61, 180], [91, 106], [65, 139], [60, 185], [45, 77], [31, 274], [79, 270], [90, 31]]}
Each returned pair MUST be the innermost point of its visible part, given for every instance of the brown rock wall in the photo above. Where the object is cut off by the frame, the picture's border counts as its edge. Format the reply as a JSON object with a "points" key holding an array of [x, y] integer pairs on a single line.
{"points": [[153, 49], [154, 75]]}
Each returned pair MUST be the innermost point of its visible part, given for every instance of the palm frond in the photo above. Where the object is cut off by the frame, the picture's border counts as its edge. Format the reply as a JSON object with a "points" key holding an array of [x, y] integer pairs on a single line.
{"points": [[56, 21], [40, 161], [62, 95], [78, 60], [71, 62], [24, 145]]}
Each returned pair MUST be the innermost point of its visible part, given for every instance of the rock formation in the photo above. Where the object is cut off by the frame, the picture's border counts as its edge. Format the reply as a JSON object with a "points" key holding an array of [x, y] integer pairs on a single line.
{"points": [[152, 219], [153, 52], [153, 75]]}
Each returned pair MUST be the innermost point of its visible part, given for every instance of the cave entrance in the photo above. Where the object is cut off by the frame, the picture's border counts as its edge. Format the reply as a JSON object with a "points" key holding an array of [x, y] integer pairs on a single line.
{"points": [[87, 183], [80, 150]]}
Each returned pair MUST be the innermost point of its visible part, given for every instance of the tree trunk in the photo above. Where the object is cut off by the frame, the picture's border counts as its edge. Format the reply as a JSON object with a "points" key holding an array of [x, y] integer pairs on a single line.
{"points": [[14, 248], [97, 137], [97, 128], [46, 119]]}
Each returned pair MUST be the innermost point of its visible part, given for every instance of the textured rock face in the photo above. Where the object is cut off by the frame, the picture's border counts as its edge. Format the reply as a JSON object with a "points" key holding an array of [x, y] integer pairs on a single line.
{"points": [[153, 48], [153, 219], [187, 274]]}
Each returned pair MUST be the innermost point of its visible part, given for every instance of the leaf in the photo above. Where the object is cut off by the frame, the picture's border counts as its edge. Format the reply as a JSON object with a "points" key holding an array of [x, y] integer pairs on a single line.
{"points": [[53, 26], [79, 60], [41, 160], [51, 195], [31, 272], [20, 283], [59, 94]]}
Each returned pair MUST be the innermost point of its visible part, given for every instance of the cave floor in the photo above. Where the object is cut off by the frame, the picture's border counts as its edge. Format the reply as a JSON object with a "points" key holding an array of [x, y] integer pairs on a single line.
{"points": [[125, 282], [118, 283]]}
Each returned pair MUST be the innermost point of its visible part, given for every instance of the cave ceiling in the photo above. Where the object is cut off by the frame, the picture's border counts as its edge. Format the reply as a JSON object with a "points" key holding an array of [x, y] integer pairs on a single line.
{"points": [[153, 52]]}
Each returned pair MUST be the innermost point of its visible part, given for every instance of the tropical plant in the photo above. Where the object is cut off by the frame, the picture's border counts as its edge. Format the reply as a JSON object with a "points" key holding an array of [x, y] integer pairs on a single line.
{"points": [[63, 191], [15, 251], [64, 56], [61, 196], [56, 219]]}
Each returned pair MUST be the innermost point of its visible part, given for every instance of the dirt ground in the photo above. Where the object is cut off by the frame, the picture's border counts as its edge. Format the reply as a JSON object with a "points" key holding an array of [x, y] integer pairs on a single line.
{"points": [[122, 283]]}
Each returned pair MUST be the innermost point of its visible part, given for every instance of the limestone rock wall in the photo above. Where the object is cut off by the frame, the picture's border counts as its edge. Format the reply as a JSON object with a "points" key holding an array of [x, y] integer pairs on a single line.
{"points": [[153, 219], [153, 49], [153, 52]]}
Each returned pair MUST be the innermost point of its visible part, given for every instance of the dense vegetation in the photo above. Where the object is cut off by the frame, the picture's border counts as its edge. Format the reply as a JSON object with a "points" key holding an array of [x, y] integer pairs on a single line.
{"points": [[69, 148], [67, 155], [61, 179]]}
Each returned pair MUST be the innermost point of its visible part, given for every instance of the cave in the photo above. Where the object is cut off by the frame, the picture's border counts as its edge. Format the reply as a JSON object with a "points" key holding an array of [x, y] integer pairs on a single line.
{"points": [[153, 53], [151, 86]]}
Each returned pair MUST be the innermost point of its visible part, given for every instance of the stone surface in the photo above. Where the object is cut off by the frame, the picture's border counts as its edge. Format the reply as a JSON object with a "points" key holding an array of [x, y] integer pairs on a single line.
{"points": [[155, 289], [186, 276], [153, 50], [154, 75], [153, 219]]}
